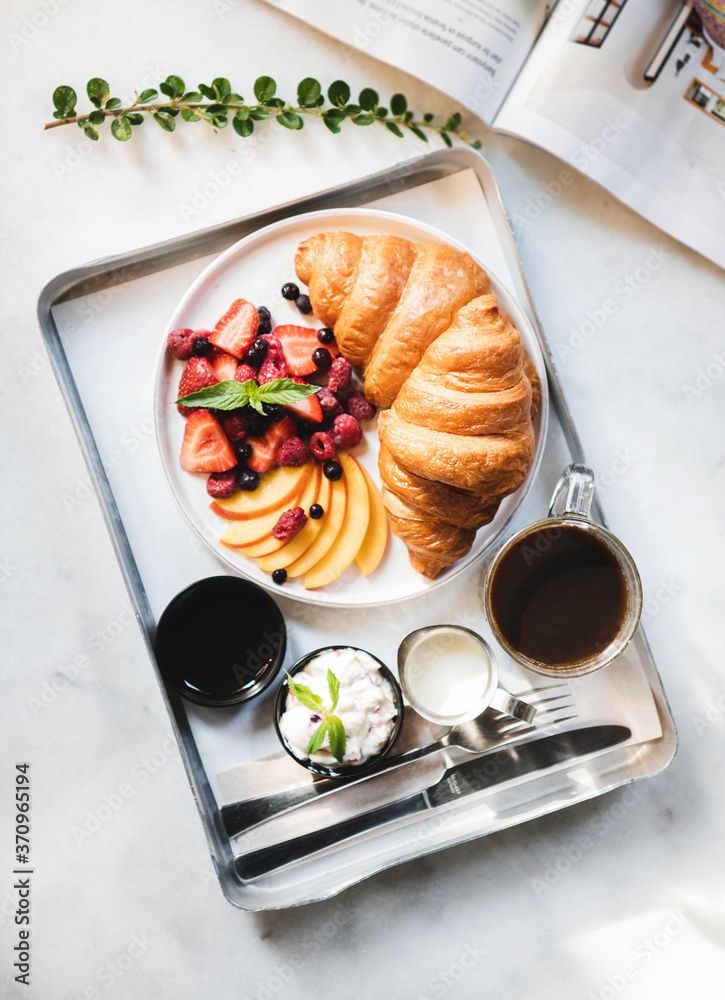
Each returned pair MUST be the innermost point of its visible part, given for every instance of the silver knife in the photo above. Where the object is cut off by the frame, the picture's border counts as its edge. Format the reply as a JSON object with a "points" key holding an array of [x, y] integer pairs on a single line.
{"points": [[456, 782]]}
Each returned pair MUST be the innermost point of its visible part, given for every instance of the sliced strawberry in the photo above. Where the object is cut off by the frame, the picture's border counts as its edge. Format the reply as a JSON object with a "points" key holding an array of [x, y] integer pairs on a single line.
{"points": [[264, 446], [205, 447], [298, 344], [306, 409], [274, 364], [197, 375], [224, 365], [237, 328]]}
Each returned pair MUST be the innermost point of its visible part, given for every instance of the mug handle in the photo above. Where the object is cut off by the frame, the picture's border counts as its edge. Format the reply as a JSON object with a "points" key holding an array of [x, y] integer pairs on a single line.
{"points": [[508, 704], [574, 493]]}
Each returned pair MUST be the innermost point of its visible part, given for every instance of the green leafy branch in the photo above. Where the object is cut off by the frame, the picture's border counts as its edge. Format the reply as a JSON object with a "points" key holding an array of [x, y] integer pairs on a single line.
{"points": [[330, 726], [218, 105]]}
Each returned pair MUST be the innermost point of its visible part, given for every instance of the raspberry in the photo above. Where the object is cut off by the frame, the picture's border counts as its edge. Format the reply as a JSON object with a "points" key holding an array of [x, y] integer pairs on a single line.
{"points": [[289, 524], [339, 377], [235, 425], [274, 364], [329, 404], [346, 431], [321, 446], [292, 452], [221, 485], [244, 373], [357, 406], [181, 342]]}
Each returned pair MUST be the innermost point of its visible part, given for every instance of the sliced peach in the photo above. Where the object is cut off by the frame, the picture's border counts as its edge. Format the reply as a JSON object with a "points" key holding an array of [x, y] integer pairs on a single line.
{"points": [[354, 527], [331, 524], [277, 489], [301, 542], [376, 537], [271, 544]]}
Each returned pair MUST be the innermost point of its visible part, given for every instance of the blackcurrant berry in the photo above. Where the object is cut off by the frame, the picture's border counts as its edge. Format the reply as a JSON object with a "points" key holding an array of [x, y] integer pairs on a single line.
{"points": [[316, 511], [248, 480], [290, 291], [325, 335], [333, 470], [322, 357], [201, 347], [303, 304], [280, 576]]}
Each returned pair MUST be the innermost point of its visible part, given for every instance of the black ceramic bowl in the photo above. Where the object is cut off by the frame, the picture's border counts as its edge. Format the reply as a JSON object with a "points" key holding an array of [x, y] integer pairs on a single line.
{"points": [[341, 770], [221, 641]]}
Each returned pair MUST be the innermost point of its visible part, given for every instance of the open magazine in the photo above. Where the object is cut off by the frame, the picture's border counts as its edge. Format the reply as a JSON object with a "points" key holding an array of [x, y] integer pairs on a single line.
{"points": [[630, 92]]}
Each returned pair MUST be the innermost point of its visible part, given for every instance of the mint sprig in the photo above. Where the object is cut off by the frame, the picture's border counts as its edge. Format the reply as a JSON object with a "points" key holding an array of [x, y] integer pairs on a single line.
{"points": [[231, 395], [330, 726]]}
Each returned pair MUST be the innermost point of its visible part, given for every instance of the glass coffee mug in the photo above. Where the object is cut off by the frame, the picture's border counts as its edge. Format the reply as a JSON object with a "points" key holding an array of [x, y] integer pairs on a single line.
{"points": [[563, 595]]}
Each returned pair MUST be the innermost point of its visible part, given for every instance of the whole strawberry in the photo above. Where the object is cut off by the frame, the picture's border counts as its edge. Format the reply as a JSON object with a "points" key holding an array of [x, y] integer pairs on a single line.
{"points": [[197, 375]]}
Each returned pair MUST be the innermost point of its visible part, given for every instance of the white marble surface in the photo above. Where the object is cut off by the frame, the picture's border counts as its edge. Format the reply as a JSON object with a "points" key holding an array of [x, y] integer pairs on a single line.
{"points": [[622, 895]]}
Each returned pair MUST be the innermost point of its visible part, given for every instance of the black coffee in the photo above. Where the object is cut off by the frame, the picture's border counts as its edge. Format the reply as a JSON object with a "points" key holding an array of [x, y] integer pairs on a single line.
{"points": [[559, 596]]}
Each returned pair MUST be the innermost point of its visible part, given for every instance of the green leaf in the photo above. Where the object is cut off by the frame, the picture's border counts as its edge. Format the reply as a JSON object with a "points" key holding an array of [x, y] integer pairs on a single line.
{"points": [[208, 92], [192, 96], [476, 144], [337, 736], [363, 119], [416, 131], [334, 685], [317, 738], [121, 128], [96, 117], [233, 99], [336, 115], [353, 109], [338, 93], [170, 111], [333, 126], [165, 120], [290, 120], [190, 116], [308, 92], [398, 104], [368, 99], [392, 127], [166, 89], [453, 122], [134, 118], [305, 695], [148, 95], [176, 84], [446, 138], [216, 109], [220, 121], [428, 117], [259, 114], [242, 113], [64, 99], [264, 89], [381, 112], [98, 91], [115, 102], [243, 126], [222, 87], [284, 390], [91, 132]]}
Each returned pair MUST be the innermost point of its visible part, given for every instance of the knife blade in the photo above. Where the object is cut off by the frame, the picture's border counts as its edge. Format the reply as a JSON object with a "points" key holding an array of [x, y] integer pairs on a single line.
{"points": [[457, 782]]}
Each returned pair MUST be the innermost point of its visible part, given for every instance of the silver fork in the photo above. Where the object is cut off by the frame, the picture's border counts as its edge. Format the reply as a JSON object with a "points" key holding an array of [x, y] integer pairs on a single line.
{"points": [[480, 735]]}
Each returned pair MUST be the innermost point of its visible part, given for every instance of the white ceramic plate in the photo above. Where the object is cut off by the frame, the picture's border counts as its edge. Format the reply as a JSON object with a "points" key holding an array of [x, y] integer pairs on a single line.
{"points": [[255, 269]]}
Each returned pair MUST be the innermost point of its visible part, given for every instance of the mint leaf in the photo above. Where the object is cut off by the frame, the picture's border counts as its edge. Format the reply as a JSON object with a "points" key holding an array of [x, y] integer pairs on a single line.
{"points": [[230, 394], [284, 390], [317, 738], [334, 686], [305, 695], [338, 739], [227, 395]]}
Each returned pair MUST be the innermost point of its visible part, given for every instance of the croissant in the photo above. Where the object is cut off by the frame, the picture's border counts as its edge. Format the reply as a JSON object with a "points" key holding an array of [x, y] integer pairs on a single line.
{"points": [[433, 344]]}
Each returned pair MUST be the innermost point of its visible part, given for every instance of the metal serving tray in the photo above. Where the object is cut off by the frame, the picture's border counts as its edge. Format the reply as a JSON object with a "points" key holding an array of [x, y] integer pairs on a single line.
{"points": [[81, 314]]}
